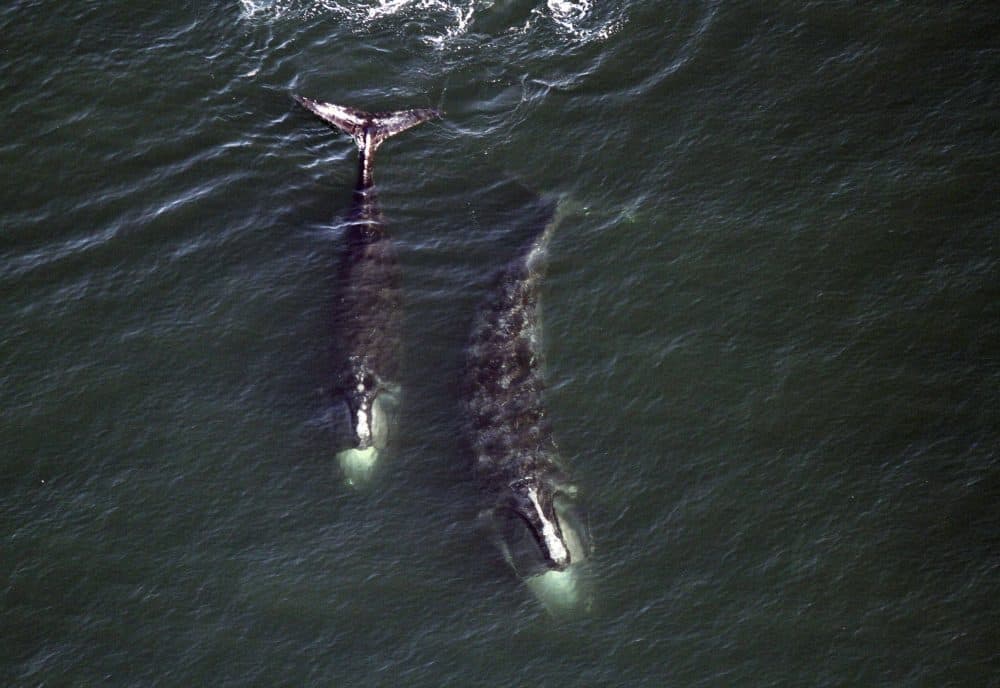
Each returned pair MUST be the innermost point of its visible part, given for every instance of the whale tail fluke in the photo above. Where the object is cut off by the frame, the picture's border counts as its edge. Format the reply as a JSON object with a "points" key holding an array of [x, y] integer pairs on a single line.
{"points": [[368, 129]]}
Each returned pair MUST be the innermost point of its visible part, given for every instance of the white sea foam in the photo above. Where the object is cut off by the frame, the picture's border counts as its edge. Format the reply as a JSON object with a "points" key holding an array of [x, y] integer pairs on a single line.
{"points": [[449, 19]]}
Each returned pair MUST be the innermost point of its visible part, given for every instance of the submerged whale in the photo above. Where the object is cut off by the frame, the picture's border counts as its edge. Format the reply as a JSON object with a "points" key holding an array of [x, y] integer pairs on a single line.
{"points": [[367, 308], [529, 499]]}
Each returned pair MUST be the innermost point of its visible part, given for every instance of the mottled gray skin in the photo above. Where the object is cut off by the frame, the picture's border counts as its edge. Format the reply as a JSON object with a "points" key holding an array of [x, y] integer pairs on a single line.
{"points": [[367, 312], [515, 454]]}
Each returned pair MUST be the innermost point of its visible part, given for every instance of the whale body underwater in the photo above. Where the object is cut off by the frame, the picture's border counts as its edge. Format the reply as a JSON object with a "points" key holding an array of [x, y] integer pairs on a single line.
{"points": [[367, 309]]}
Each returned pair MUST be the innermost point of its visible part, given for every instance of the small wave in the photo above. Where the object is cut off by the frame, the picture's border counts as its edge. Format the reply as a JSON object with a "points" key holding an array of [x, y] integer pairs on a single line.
{"points": [[576, 20]]}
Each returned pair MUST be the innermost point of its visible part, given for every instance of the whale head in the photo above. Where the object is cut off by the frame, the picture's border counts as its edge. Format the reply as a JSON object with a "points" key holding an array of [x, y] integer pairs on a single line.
{"points": [[366, 415], [534, 502], [540, 533], [533, 534], [364, 418]]}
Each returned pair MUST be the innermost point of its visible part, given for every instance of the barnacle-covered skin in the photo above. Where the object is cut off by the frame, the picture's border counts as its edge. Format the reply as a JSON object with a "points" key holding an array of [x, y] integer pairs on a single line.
{"points": [[515, 457], [509, 430]]}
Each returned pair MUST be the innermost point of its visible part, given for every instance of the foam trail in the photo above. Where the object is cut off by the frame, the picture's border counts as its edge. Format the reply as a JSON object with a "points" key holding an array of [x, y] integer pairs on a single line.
{"points": [[452, 19]]}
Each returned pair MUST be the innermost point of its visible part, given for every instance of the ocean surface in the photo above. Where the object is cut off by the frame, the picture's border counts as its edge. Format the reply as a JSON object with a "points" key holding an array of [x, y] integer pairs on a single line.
{"points": [[772, 340]]}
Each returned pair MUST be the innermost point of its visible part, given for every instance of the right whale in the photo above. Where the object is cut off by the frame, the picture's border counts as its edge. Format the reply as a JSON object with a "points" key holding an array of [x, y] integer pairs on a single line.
{"points": [[367, 310], [529, 501]]}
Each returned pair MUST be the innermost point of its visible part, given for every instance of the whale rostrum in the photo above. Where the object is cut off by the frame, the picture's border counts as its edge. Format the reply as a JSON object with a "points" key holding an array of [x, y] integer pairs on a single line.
{"points": [[367, 308]]}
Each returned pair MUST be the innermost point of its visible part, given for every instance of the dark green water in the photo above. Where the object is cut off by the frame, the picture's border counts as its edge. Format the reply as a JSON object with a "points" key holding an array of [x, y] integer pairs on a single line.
{"points": [[772, 322]]}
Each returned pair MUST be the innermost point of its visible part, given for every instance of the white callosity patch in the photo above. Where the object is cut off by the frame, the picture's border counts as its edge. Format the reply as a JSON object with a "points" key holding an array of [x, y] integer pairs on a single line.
{"points": [[364, 434], [550, 535], [361, 427]]}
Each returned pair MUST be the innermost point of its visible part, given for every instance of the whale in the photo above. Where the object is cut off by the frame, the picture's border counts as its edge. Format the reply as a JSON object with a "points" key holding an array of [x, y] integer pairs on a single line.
{"points": [[529, 502], [367, 308]]}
